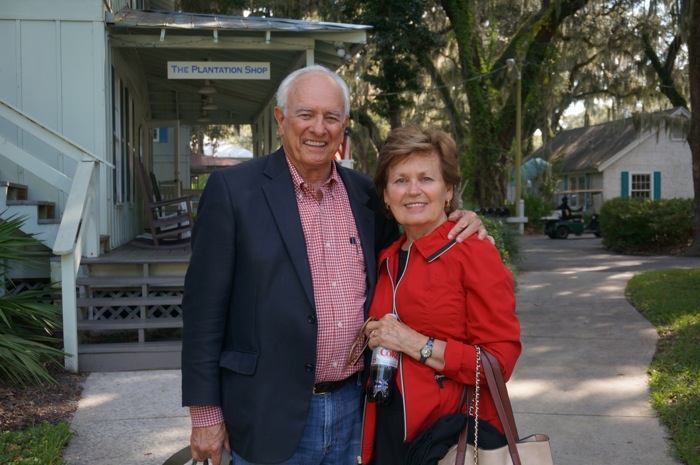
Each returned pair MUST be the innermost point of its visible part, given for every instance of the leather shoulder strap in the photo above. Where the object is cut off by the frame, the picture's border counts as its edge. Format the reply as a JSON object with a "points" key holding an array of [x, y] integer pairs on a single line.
{"points": [[499, 393]]}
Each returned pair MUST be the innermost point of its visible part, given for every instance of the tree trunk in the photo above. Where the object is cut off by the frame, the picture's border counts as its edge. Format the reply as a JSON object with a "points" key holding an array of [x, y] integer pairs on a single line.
{"points": [[492, 127], [452, 114], [483, 164], [665, 70], [694, 132]]}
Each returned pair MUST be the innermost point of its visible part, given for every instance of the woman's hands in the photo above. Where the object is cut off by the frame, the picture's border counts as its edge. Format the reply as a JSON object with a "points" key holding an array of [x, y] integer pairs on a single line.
{"points": [[392, 334]]}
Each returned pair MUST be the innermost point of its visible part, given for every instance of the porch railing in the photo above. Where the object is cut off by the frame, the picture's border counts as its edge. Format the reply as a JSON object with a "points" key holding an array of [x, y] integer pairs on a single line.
{"points": [[78, 235], [79, 232]]}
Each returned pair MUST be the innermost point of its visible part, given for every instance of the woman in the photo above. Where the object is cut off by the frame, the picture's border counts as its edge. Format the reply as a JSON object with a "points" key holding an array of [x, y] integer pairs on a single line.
{"points": [[435, 299]]}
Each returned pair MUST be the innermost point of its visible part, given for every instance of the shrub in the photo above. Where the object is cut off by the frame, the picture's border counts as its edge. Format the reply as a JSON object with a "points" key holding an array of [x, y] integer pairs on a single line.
{"points": [[507, 240], [643, 226], [27, 322], [536, 208]]}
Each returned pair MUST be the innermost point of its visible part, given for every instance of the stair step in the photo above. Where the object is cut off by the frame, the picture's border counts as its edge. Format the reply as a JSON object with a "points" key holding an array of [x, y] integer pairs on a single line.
{"points": [[46, 209], [143, 257], [127, 301], [130, 356], [130, 347], [15, 191], [104, 244], [131, 281], [136, 323]]}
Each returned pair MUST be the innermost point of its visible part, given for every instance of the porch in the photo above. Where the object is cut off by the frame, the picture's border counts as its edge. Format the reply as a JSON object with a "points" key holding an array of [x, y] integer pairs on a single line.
{"points": [[70, 144], [129, 308]]}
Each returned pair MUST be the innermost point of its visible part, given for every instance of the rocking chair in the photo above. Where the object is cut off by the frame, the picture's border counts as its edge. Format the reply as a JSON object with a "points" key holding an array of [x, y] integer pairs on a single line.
{"points": [[170, 220]]}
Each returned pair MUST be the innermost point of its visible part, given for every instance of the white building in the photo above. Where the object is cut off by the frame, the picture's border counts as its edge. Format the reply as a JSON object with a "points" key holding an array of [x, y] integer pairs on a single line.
{"points": [[624, 158], [88, 88]]}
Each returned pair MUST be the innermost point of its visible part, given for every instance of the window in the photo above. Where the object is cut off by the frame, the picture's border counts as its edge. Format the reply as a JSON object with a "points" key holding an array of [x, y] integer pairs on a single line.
{"points": [[577, 183], [640, 186], [679, 132], [160, 135]]}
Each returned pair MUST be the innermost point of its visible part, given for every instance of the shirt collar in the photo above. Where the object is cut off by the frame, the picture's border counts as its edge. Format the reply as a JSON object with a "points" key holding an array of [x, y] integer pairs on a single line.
{"points": [[299, 183], [428, 246]]}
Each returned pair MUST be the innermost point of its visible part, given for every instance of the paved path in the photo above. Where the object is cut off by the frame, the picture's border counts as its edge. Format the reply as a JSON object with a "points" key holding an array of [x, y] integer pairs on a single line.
{"points": [[582, 376], [129, 418], [581, 379]]}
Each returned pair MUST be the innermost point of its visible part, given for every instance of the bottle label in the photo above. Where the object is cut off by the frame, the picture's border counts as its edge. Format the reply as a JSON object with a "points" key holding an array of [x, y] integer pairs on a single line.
{"points": [[385, 357]]}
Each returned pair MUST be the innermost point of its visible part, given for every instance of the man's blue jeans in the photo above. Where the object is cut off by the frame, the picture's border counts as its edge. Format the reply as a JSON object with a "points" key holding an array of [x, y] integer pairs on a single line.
{"points": [[332, 432]]}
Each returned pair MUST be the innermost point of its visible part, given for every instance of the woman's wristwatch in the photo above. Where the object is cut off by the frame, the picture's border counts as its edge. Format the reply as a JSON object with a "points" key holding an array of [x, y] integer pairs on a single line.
{"points": [[427, 350]]}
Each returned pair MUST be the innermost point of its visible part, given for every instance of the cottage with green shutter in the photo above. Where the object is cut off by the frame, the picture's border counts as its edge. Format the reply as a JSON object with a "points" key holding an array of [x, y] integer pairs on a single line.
{"points": [[640, 156]]}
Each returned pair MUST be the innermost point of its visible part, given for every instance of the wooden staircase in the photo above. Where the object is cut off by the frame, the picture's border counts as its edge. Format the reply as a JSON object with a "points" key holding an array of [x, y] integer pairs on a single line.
{"points": [[130, 309], [16, 197], [128, 299]]}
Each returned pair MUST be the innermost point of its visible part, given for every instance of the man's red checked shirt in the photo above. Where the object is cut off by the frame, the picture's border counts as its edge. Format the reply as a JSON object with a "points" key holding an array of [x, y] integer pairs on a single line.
{"points": [[339, 279], [337, 271]]}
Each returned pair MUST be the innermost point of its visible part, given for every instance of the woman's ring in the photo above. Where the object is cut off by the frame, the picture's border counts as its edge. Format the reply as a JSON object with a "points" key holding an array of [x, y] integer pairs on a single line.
{"points": [[372, 334]]}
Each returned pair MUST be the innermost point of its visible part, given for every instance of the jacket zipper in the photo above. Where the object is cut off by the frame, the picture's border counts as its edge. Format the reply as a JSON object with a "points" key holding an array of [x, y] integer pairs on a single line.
{"points": [[395, 287]]}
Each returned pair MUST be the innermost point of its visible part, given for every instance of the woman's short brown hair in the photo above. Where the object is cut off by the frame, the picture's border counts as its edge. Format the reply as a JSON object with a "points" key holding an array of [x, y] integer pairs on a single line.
{"points": [[411, 140]]}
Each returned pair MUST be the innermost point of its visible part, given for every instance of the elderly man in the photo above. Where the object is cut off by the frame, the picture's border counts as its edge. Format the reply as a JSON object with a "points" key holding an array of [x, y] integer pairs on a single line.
{"points": [[282, 272]]}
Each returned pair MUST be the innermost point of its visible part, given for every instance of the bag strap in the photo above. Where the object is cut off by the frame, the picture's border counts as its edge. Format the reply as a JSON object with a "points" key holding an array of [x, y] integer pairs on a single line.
{"points": [[470, 394], [499, 393]]}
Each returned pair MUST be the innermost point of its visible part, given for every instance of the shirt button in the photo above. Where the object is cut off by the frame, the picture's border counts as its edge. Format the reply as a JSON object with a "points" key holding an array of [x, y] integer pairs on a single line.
{"points": [[333, 284], [328, 245], [335, 364]]}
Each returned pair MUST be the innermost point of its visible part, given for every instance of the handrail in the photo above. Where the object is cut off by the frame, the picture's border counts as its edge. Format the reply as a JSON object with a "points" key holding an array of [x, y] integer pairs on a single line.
{"points": [[32, 164], [75, 211], [78, 231], [46, 134]]}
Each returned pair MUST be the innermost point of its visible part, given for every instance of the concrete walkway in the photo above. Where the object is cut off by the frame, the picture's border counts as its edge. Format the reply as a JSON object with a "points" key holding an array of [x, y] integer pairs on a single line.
{"points": [[581, 379]]}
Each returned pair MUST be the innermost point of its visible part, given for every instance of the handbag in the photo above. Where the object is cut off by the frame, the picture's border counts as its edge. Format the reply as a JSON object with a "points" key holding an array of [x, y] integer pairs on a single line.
{"points": [[530, 450]]}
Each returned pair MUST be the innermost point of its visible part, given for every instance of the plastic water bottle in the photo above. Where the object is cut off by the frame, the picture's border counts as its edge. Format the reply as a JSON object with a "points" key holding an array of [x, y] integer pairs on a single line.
{"points": [[382, 373]]}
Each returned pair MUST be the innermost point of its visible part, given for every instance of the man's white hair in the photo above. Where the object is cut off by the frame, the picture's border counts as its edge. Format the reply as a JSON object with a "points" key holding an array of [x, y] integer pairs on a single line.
{"points": [[283, 89]]}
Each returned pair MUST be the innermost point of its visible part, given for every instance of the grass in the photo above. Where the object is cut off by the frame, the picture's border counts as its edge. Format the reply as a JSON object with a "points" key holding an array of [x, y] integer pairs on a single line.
{"points": [[38, 445], [670, 300]]}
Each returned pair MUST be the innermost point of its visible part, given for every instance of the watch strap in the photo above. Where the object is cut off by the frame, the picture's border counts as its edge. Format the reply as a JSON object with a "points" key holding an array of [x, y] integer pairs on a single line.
{"points": [[427, 350]]}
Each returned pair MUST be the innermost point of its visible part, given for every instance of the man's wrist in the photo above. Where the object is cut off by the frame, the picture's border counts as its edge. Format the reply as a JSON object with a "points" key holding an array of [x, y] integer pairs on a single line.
{"points": [[205, 416]]}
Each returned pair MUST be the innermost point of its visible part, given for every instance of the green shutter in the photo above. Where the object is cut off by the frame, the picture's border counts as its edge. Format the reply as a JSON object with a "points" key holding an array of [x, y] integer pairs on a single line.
{"points": [[625, 184], [657, 185]]}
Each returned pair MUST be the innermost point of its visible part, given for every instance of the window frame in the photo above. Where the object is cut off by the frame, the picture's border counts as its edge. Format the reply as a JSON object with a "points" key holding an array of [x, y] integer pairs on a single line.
{"points": [[649, 191]]}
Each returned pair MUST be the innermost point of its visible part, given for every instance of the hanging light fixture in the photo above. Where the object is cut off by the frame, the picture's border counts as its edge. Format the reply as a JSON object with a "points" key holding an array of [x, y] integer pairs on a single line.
{"points": [[209, 104], [204, 118], [208, 89], [339, 49]]}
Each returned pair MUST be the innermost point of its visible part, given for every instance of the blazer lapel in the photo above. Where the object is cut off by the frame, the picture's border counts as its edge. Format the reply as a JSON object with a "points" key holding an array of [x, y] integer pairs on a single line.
{"points": [[279, 193]]}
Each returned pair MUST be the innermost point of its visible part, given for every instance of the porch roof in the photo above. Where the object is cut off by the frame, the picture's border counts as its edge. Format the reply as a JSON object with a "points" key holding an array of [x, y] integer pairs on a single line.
{"points": [[153, 38]]}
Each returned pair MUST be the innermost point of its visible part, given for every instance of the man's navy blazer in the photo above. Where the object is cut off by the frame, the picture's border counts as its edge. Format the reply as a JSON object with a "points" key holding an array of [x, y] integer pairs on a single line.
{"points": [[249, 336]]}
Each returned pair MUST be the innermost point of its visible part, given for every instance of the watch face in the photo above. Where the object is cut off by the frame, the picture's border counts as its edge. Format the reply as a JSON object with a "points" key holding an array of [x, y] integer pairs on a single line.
{"points": [[425, 352]]}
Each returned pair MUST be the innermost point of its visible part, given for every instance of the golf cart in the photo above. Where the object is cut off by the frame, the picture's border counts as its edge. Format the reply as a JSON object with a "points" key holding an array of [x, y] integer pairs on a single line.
{"points": [[557, 228], [567, 220]]}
